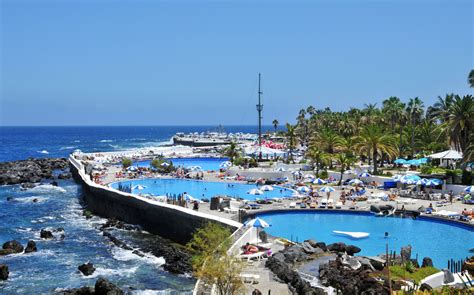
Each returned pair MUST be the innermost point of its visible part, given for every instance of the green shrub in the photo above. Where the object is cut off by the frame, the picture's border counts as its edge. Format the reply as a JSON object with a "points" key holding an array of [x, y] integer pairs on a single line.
{"points": [[323, 174], [426, 169], [126, 162]]}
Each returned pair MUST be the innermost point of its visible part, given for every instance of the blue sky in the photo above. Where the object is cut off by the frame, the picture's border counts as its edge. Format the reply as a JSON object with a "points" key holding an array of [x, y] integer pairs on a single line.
{"points": [[196, 62]]}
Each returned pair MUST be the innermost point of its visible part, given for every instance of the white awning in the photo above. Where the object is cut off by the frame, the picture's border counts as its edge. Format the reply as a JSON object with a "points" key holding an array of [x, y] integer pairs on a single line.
{"points": [[450, 154]]}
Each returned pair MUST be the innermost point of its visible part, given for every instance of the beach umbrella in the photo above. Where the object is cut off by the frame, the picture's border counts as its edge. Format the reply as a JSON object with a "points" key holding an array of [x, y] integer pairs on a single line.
{"points": [[138, 187], [409, 178], [422, 181], [303, 189], [225, 164], [257, 223], [397, 177], [319, 181], [433, 182], [400, 161], [309, 176], [280, 169], [255, 192], [347, 172], [469, 189], [195, 168], [165, 164], [327, 189], [297, 173], [365, 174], [266, 188], [356, 182], [132, 168]]}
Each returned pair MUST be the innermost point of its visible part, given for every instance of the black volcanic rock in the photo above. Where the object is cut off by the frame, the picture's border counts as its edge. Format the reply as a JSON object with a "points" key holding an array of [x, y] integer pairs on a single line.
{"points": [[30, 171], [46, 234], [11, 247], [87, 268], [351, 250], [4, 272], [104, 287], [30, 247]]}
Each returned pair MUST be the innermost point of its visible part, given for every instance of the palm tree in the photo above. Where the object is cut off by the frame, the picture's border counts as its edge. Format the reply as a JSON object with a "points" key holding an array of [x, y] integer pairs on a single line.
{"points": [[328, 140], [393, 108], [291, 140], [459, 121], [232, 151], [374, 140], [468, 155], [275, 124], [470, 78], [415, 112], [317, 157], [345, 161]]}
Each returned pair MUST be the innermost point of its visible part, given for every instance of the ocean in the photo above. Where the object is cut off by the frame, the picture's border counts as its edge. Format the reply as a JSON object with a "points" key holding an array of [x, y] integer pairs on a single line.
{"points": [[54, 266]]}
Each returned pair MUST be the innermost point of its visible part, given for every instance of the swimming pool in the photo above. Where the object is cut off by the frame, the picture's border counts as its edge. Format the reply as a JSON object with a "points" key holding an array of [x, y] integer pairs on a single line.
{"points": [[439, 240], [205, 163], [200, 189]]}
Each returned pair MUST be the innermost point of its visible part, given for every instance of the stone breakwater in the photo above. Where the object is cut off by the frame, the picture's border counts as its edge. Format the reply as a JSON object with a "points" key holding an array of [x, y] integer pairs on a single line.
{"points": [[33, 170]]}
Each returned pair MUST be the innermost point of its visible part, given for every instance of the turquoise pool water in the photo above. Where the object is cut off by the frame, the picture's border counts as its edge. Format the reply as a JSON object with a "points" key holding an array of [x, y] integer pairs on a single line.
{"points": [[205, 163], [201, 189], [439, 240]]}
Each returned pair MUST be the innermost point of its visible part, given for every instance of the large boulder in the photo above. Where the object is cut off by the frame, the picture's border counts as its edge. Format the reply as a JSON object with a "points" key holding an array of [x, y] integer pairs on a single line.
{"points": [[30, 247], [11, 247], [351, 250], [294, 254], [337, 247], [313, 243], [4, 272], [405, 253], [351, 261], [427, 262], [46, 234], [322, 246], [87, 269], [365, 263], [104, 287]]}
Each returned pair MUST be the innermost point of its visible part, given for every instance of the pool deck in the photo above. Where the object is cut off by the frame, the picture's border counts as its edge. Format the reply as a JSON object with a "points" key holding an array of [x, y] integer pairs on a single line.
{"points": [[266, 279]]}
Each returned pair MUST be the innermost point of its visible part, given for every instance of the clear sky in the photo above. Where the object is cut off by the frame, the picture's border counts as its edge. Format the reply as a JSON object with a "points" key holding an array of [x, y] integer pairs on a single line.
{"points": [[196, 62]]}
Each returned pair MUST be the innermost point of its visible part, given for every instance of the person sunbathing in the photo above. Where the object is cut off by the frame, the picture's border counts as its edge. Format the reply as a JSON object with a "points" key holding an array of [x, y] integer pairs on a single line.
{"points": [[250, 249]]}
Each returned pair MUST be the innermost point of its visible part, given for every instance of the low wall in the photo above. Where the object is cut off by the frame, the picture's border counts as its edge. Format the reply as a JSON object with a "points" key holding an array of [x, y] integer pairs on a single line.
{"points": [[169, 221]]}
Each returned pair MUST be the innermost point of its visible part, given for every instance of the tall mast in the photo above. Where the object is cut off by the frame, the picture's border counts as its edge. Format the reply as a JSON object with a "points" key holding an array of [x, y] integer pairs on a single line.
{"points": [[259, 110]]}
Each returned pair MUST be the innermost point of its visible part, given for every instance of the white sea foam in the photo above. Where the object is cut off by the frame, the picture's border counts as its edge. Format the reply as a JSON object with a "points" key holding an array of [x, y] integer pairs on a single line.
{"points": [[106, 140], [43, 152], [115, 146], [31, 199], [107, 272], [47, 188], [67, 148], [127, 255]]}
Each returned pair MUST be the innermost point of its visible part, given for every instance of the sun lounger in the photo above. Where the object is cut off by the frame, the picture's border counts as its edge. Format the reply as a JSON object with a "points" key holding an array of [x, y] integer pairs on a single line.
{"points": [[338, 205], [330, 204], [313, 205], [292, 205]]}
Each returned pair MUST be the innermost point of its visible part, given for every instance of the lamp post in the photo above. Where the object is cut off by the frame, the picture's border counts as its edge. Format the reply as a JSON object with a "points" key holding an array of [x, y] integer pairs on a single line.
{"points": [[387, 258], [259, 110]]}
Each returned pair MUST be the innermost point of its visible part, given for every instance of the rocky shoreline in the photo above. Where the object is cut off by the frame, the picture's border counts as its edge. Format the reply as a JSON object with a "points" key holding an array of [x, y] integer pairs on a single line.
{"points": [[31, 171], [177, 259], [341, 270]]}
